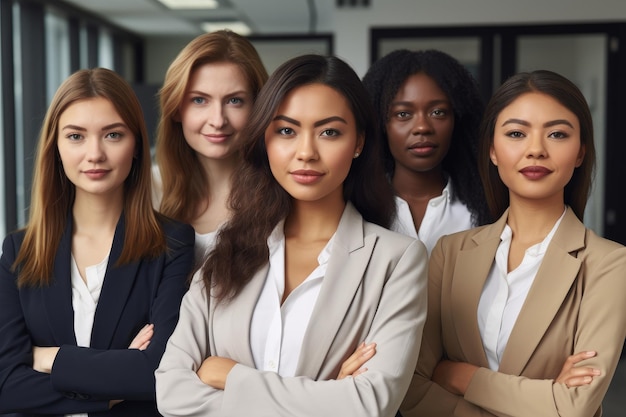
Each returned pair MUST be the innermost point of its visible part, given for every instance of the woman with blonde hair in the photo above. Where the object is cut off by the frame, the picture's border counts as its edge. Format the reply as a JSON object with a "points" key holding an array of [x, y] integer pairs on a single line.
{"points": [[90, 290], [205, 102]]}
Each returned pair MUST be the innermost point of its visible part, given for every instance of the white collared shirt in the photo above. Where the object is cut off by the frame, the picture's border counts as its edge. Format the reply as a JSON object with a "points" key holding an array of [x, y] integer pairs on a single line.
{"points": [[504, 293], [85, 296], [277, 332], [443, 216]]}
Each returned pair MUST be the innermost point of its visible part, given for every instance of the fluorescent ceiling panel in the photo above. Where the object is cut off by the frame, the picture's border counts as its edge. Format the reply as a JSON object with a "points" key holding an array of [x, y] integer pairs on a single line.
{"points": [[190, 4], [237, 27]]}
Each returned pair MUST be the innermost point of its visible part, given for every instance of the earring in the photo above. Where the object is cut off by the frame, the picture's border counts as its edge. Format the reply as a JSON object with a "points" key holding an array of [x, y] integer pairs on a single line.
{"points": [[356, 155]]}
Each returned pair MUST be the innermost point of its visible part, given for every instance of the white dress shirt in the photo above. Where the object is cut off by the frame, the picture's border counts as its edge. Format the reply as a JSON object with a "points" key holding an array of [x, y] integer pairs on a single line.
{"points": [[85, 296], [504, 293], [277, 332], [443, 216]]}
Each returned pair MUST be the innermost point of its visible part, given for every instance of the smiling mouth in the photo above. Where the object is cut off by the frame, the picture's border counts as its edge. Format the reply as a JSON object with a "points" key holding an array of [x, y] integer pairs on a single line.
{"points": [[213, 138]]}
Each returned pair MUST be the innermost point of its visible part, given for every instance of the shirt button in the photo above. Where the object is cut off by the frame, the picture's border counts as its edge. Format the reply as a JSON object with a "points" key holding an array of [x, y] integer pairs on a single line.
{"points": [[272, 364]]}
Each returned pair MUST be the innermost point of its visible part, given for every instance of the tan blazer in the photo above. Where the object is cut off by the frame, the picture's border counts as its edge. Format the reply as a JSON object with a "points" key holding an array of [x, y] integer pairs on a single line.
{"points": [[576, 303], [374, 290]]}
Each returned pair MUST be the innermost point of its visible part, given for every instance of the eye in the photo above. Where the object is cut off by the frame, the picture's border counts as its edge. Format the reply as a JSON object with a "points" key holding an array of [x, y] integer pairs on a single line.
{"points": [[74, 136], [198, 100], [286, 131], [235, 100], [402, 115], [114, 135], [331, 133], [558, 135], [439, 112], [515, 134]]}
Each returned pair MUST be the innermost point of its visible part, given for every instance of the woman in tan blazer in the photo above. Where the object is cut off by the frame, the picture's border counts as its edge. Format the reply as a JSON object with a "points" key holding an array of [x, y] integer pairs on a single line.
{"points": [[305, 270], [525, 316]]}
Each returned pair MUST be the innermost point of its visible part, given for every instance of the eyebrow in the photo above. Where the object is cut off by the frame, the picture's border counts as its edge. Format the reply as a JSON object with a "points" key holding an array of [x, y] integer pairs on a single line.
{"points": [[546, 124], [316, 124], [107, 127], [430, 103], [202, 93]]}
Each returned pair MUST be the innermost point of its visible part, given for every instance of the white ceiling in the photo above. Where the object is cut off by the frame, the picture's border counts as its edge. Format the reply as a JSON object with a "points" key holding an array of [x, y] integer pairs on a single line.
{"points": [[151, 18]]}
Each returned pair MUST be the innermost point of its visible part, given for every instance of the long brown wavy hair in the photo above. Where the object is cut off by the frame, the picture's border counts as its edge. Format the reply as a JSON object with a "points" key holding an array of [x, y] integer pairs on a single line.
{"points": [[565, 92], [52, 194], [258, 201], [184, 181]]}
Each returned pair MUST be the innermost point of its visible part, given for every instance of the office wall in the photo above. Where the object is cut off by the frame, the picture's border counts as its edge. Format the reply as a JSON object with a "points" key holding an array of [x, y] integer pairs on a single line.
{"points": [[350, 26]]}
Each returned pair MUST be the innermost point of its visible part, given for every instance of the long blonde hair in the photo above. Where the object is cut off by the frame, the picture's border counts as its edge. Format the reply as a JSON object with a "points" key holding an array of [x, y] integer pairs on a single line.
{"points": [[184, 182], [53, 194]]}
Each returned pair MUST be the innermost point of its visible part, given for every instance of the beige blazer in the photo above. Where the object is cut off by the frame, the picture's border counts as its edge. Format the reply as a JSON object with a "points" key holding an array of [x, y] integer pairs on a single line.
{"points": [[374, 290], [576, 303]]}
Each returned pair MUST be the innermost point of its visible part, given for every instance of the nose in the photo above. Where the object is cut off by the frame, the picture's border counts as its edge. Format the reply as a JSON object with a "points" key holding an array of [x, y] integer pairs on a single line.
{"points": [[422, 124], [216, 117], [306, 148], [536, 147], [95, 150]]}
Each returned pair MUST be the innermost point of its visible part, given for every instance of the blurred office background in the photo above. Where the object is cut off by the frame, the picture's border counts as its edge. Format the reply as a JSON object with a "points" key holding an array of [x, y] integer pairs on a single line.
{"points": [[42, 42]]}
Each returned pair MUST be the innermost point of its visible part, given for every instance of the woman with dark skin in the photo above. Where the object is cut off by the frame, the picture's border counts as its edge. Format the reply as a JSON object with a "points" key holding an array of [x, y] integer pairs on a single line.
{"points": [[429, 108]]}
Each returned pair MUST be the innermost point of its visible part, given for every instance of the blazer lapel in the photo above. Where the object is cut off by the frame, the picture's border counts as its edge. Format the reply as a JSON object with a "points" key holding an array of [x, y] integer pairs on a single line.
{"points": [[470, 273], [554, 279], [351, 253], [117, 285], [57, 298]]}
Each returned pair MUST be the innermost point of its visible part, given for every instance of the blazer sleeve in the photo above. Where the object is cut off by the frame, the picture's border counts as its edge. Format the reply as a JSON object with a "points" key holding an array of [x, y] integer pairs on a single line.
{"points": [[128, 374], [425, 397], [601, 327], [396, 328], [179, 391], [22, 389]]}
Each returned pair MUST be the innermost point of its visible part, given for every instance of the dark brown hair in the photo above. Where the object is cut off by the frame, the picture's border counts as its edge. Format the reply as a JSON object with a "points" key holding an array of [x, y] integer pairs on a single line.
{"points": [[259, 202], [565, 92]]}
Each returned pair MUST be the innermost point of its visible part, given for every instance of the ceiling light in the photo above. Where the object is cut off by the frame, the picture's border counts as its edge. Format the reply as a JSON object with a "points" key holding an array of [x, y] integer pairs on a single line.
{"points": [[190, 4], [237, 27]]}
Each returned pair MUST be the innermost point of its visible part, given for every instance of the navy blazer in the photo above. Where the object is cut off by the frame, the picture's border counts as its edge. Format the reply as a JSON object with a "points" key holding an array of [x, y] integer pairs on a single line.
{"points": [[83, 380]]}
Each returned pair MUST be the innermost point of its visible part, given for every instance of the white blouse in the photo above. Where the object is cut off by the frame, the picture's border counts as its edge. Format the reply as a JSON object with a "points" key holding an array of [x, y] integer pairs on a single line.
{"points": [[443, 216], [277, 332], [504, 293], [85, 296]]}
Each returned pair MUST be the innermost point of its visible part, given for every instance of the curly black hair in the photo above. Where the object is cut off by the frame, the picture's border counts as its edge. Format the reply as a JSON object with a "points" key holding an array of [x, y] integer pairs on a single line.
{"points": [[384, 79]]}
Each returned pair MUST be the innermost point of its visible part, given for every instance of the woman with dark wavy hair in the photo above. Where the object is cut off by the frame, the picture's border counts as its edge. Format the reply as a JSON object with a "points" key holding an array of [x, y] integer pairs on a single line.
{"points": [[428, 111], [305, 277]]}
